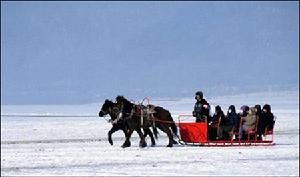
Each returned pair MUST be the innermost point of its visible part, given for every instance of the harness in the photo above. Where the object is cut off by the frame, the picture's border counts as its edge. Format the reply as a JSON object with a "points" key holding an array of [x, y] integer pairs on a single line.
{"points": [[144, 112], [115, 112], [138, 110]]}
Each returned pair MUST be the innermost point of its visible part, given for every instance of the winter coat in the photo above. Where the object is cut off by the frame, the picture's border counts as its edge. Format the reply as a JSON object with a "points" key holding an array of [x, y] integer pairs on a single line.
{"points": [[201, 109], [231, 119], [218, 116], [266, 119], [249, 122], [259, 115]]}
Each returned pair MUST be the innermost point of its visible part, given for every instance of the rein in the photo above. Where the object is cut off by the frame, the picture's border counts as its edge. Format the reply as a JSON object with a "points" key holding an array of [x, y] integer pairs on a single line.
{"points": [[113, 113], [162, 121]]}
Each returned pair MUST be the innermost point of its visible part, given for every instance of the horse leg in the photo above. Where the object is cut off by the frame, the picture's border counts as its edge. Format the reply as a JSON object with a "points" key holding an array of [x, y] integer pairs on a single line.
{"points": [[142, 141], [168, 132], [127, 141], [174, 133], [111, 131], [124, 131], [148, 132], [155, 132]]}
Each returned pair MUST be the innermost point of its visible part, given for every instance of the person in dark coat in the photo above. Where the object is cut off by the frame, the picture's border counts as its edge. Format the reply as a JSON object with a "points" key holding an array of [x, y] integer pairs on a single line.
{"points": [[258, 109], [258, 114], [228, 124], [269, 117], [215, 123], [266, 119], [201, 108]]}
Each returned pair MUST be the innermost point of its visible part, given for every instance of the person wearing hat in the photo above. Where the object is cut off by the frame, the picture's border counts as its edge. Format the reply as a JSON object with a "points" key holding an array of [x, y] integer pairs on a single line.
{"points": [[201, 108], [266, 120]]}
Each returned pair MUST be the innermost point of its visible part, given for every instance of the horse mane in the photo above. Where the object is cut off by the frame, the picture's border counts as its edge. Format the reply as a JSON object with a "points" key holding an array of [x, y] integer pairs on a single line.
{"points": [[110, 102], [127, 102], [128, 106]]}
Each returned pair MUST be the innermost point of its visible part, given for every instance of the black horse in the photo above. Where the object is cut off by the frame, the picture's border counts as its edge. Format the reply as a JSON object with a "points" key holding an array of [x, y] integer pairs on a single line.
{"points": [[118, 123], [136, 119]]}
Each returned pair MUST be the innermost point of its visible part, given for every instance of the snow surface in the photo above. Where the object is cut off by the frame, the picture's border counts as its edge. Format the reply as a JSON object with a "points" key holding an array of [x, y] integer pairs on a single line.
{"points": [[74, 142]]}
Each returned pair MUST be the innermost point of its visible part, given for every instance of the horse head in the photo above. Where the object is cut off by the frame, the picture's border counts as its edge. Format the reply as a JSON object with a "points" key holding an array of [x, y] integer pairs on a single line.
{"points": [[105, 108], [110, 108]]}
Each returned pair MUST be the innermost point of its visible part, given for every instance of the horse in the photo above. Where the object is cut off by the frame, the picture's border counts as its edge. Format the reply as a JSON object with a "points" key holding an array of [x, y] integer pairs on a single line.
{"points": [[134, 115], [118, 123]]}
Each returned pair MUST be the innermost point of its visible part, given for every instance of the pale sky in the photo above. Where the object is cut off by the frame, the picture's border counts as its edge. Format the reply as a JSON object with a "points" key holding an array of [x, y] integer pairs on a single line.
{"points": [[80, 52]]}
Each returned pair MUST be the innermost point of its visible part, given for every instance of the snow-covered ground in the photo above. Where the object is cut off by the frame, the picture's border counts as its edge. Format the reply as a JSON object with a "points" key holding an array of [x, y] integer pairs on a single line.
{"points": [[77, 145]]}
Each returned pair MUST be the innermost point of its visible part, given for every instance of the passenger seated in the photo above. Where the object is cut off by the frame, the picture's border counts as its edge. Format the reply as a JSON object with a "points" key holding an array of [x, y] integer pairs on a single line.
{"points": [[258, 113], [249, 122], [215, 123], [258, 109], [228, 124], [244, 111], [266, 119]]}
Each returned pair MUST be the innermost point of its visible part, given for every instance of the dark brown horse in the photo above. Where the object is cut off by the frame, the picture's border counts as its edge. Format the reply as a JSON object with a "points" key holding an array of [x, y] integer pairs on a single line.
{"points": [[136, 119], [118, 123]]}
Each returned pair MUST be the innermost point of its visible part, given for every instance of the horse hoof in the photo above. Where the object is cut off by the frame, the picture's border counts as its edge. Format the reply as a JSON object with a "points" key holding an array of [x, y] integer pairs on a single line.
{"points": [[170, 145], [111, 143], [143, 144], [175, 142], [126, 144], [153, 145]]}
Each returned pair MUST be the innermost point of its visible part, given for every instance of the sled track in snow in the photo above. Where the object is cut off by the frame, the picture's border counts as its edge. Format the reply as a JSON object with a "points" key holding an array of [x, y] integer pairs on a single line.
{"points": [[97, 165], [104, 139], [82, 140], [51, 141], [46, 115]]}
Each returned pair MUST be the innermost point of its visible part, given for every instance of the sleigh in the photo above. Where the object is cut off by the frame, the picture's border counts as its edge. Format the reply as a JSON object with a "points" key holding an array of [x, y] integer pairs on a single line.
{"points": [[197, 134]]}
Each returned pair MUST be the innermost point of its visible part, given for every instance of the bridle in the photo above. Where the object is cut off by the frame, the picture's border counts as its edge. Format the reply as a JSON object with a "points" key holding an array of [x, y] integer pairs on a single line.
{"points": [[114, 112]]}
